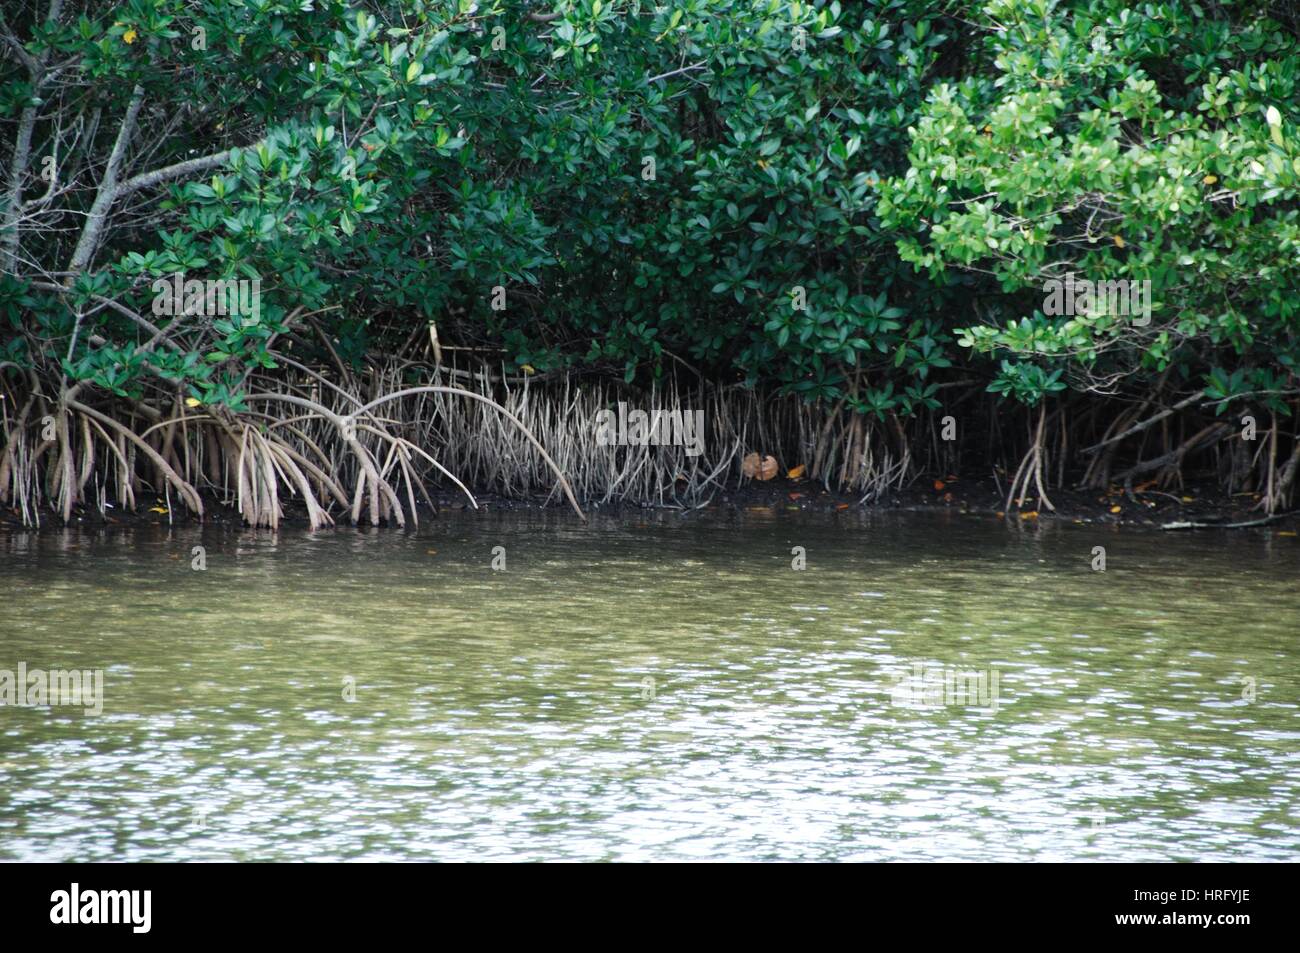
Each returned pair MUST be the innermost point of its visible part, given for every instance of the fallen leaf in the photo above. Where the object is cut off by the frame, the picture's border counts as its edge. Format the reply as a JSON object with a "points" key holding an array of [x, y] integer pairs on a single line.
{"points": [[947, 497], [192, 402], [1286, 532], [842, 506], [157, 509], [1210, 179], [1031, 515], [1189, 499], [796, 473], [1116, 509], [938, 485], [1119, 242], [431, 552], [796, 496]]}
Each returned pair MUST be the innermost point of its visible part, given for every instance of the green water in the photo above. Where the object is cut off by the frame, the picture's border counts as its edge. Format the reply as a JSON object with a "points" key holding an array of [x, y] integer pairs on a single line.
{"points": [[655, 688]]}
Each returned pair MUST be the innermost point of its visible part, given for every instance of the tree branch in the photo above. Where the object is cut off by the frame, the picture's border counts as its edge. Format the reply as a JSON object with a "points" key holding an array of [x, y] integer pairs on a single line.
{"points": [[175, 171], [108, 188]]}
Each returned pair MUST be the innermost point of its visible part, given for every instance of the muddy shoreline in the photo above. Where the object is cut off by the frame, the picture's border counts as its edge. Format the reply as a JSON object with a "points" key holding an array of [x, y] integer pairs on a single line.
{"points": [[1149, 508]]}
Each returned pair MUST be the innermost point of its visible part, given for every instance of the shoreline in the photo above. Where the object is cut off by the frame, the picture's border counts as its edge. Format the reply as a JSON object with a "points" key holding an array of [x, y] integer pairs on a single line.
{"points": [[1202, 505]]}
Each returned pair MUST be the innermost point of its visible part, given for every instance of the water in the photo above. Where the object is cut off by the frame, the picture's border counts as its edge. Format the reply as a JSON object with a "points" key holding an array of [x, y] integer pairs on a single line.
{"points": [[655, 688]]}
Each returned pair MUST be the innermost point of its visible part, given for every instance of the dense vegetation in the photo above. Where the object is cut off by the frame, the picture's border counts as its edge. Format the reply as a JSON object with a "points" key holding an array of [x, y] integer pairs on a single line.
{"points": [[858, 205]]}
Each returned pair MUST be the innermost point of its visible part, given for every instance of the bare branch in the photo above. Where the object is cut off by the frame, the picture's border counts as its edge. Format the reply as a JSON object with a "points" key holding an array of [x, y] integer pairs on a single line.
{"points": [[175, 171], [88, 244]]}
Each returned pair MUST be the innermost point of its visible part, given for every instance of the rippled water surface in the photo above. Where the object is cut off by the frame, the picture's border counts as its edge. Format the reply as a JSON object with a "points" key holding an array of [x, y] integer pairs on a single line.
{"points": [[663, 687]]}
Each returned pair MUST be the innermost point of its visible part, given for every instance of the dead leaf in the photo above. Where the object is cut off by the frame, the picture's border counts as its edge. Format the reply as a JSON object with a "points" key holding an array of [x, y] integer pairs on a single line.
{"points": [[796, 473], [1031, 515], [796, 496], [1116, 509], [938, 485]]}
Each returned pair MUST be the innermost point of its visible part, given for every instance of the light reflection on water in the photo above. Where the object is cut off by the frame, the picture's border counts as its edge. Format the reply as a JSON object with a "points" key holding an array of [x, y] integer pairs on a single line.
{"points": [[654, 687]]}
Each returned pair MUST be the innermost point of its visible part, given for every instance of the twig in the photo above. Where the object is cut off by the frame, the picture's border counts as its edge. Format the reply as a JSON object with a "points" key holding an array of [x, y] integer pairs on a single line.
{"points": [[1192, 524]]}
